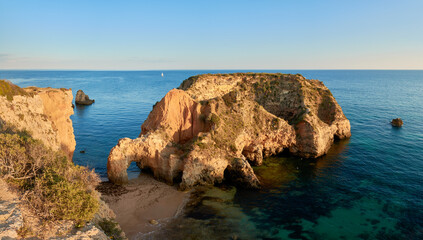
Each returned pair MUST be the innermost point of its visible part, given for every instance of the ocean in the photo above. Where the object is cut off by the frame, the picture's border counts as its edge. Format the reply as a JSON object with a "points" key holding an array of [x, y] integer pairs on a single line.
{"points": [[367, 187]]}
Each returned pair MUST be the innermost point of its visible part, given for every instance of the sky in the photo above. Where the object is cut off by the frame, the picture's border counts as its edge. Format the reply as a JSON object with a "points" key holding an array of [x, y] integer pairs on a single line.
{"points": [[153, 35]]}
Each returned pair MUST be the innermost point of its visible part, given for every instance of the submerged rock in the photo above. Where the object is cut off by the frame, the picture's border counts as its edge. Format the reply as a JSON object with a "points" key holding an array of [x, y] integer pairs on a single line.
{"points": [[82, 99], [214, 127], [397, 122]]}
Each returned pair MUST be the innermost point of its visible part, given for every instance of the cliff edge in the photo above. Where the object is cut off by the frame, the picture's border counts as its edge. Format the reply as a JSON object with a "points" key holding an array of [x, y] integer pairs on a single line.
{"points": [[45, 112], [215, 126], [43, 194]]}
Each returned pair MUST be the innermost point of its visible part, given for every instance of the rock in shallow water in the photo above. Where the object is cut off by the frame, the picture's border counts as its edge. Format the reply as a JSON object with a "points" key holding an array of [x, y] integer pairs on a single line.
{"points": [[214, 127]]}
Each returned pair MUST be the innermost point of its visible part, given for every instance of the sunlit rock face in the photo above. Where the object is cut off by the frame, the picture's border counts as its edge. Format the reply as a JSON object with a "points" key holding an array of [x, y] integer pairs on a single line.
{"points": [[44, 112], [214, 127]]}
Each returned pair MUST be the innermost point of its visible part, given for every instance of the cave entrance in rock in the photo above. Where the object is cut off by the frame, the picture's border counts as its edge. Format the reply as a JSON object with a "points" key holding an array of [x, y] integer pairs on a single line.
{"points": [[227, 177], [133, 171]]}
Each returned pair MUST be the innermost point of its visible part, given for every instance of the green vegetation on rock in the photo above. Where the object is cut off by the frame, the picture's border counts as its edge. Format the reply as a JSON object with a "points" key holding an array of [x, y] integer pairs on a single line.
{"points": [[111, 228], [51, 185], [215, 119], [9, 90]]}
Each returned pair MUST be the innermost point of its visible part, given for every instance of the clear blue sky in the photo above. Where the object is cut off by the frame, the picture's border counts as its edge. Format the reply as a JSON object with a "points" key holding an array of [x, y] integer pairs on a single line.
{"points": [[143, 35]]}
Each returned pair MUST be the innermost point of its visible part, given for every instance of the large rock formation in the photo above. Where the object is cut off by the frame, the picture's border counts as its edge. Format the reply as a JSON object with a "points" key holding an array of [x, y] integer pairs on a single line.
{"points": [[45, 112], [215, 127]]}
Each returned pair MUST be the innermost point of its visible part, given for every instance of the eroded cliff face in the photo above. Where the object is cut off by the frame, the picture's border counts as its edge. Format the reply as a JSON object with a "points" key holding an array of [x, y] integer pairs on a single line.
{"points": [[45, 112], [214, 127]]}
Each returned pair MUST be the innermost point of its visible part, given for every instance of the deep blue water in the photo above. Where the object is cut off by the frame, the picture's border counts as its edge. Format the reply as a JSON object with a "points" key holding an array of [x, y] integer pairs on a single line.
{"points": [[367, 187]]}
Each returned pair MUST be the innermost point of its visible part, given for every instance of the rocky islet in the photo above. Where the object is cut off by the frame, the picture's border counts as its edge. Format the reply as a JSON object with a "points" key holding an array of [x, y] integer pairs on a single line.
{"points": [[216, 126]]}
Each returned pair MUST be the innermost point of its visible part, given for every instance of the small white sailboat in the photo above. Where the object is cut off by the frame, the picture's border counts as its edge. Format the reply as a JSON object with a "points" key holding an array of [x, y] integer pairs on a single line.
{"points": [[162, 74]]}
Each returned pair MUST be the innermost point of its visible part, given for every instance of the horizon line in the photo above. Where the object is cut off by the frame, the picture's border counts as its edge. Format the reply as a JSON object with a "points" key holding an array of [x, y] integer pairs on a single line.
{"points": [[223, 69]]}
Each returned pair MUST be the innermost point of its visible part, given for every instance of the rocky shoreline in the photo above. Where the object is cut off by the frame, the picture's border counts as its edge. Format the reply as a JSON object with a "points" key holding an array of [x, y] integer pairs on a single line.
{"points": [[213, 128]]}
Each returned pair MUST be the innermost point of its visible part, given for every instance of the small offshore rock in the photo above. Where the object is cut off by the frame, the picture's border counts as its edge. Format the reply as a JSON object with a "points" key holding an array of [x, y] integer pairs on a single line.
{"points": [[153, 222], [83, 99], [82, 151], [397, 122]]}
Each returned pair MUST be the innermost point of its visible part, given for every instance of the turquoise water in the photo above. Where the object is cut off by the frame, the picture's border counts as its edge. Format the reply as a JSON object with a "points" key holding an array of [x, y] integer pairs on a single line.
{"points": [[367, 187]]}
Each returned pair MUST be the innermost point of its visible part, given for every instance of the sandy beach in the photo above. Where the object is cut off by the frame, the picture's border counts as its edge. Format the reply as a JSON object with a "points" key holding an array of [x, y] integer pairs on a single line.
{"points": [[144, 199]]}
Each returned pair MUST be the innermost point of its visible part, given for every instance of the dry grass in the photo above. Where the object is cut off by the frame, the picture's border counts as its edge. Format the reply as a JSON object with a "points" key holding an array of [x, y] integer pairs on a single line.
{"points": [[9, 90]]}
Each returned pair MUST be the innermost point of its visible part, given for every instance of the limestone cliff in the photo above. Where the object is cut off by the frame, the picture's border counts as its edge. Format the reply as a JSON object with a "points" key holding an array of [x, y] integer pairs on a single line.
{"points": [[45, 112], [215, 127]]}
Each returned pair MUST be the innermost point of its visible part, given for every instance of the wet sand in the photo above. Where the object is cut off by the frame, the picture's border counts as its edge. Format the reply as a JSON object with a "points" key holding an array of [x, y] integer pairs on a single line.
{"points": [[142, 200]]}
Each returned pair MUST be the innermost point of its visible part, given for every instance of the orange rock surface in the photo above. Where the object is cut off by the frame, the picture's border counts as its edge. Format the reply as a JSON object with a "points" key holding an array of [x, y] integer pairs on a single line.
{"points": [[44, 112], [214, 127]]}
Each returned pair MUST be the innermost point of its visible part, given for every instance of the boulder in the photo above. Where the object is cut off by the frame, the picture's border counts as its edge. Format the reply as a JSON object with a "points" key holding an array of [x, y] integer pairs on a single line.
{"points": [[83, 99], [216, 127], [397, 122]]}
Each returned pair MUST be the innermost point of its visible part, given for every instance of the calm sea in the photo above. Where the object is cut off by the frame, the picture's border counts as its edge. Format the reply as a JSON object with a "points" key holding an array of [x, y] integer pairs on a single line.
{"points": [[367, 187]]}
